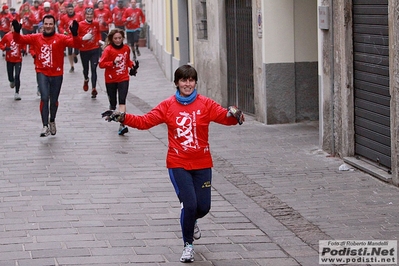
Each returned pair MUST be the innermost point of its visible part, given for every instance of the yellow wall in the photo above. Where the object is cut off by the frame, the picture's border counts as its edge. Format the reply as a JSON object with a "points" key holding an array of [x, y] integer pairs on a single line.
{"points": [[175, 14], [168, 30]]}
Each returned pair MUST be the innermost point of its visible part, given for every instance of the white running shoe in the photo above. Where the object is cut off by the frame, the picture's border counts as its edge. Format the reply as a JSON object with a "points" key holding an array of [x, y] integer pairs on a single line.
{"points": [[45, 132], [188, 253], [17, 97], [53, 129], [197, 231]]}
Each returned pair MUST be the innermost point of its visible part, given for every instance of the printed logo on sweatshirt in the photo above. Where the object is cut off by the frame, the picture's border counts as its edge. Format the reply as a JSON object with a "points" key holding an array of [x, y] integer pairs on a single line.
{"points": [[14, 48], [186, 131], [45, 55], [121, 65], [5, 22]]}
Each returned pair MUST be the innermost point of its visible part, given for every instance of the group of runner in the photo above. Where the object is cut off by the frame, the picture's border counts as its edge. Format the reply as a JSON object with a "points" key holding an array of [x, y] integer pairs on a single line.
{"points": [[93, 24]]}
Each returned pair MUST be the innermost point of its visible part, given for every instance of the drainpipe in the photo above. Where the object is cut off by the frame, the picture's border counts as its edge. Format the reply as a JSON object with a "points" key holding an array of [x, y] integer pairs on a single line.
{"points": [[332, 116]]}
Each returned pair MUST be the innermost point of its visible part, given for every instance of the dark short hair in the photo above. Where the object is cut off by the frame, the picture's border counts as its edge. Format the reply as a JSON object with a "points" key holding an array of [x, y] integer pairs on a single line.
{"points": [[89, 10], [185, 72], [47, 17]]}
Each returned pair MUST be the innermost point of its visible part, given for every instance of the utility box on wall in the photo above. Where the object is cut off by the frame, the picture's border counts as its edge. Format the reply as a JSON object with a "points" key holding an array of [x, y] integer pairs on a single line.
{"points": [[324, 19]]}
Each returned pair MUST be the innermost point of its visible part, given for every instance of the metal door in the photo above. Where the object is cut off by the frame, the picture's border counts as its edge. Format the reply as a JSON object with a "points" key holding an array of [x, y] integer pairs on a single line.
{"points": [[240, 77], [371, 80]]}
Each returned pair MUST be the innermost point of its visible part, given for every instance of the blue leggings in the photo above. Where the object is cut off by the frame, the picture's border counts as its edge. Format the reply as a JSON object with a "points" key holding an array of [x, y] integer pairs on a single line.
{"points": [[193, 188]]}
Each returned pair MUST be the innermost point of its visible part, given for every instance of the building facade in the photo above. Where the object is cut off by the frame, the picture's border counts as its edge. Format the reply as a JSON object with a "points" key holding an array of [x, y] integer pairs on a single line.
{"points": [[287, 61]]}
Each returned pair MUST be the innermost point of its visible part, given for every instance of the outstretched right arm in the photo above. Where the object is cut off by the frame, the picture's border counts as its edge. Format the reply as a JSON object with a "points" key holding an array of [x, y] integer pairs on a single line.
{"points": [[154, 117]]}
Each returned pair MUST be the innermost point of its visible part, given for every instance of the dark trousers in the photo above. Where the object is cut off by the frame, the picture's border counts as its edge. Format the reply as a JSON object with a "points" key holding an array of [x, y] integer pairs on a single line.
{"points": [[90, 58], [193, 188], [14, 72], [117, 91], [50, 88]]}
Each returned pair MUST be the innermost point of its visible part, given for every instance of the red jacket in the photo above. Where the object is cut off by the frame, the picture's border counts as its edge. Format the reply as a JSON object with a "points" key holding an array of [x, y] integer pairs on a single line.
{"points": [[36, 12], [103, 17], [117, 15], [16, 16], [80, 10], [188, 127], [5, 21], [28, 20], [116, 73], [66, 21], [13, 55], [133, 18], [93, 28], [48, 51], [44, 12]]}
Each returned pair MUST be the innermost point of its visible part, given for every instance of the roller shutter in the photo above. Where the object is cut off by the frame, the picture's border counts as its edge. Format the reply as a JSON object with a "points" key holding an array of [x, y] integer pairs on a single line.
{"points": [[371, 80]]}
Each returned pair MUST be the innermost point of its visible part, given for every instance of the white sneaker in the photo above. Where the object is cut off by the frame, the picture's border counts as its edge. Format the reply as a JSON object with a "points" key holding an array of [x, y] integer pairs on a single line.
{"points": [[197, 231], [45, 132], [17, 97], [53, 129], [188, 253]]}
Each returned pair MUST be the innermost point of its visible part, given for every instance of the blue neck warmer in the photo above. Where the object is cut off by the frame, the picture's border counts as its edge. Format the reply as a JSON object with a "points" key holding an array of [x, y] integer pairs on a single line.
{"points": [[186, 100]]}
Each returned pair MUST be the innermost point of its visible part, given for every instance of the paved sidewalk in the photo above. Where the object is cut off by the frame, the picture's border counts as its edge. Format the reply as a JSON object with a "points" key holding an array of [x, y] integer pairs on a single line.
{"points": [[87, 196]]}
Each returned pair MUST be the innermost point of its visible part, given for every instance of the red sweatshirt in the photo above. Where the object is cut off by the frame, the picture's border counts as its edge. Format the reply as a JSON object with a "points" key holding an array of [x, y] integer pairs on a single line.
{"points": [[93, 28], [80, 10], [119, 72], [5, 21], [28, 20], [44, 12], [36, 12], [66, 21], [103, 17], [49, 51], [133, 18], [14, 54], [188, 128], [117, 14]]}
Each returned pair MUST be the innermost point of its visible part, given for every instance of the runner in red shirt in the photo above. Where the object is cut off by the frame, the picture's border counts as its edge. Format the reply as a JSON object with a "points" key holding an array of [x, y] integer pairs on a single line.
{"points": [[5, 21], [36, 10], [104, 17], [134, 19], [187, 116], [63, 28], [14, 53], [116, 61], [60, 8], [49, 49], [80, 8], [14, 14], [28, 20], [89, 31], [47, 11], [117, 15]]}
